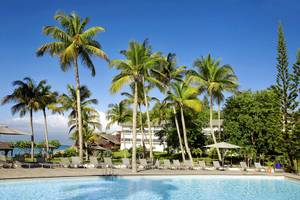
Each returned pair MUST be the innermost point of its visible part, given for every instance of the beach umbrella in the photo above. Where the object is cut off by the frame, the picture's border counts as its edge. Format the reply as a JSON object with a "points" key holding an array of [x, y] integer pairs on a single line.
{"points": [[5, 130], [224, 146]]}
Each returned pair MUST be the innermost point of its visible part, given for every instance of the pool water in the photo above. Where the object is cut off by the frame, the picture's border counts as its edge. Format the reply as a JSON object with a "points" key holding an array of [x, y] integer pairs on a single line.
{"points": [[153, 187]]}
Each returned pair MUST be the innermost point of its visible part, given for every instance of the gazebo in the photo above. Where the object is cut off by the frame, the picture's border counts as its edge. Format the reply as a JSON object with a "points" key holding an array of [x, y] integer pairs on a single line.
{"points": [[224, 147], [5, 130]]}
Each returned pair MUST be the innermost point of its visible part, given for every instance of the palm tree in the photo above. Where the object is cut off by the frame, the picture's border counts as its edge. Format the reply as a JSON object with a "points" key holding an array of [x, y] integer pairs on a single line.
{"points": [[131, 72], [118, 113], [167, 72], [26, 99], [213, 78], [72, 42], [67, 101], [46, 98], [90, 122], [184, 95]]}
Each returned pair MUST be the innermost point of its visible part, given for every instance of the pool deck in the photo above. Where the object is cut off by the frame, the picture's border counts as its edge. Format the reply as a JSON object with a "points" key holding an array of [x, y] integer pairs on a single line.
{"points": [[21, 173]]}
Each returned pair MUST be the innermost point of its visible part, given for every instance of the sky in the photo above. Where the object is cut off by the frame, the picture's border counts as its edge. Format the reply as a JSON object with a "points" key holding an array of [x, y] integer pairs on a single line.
{"points": [[241, 33]]}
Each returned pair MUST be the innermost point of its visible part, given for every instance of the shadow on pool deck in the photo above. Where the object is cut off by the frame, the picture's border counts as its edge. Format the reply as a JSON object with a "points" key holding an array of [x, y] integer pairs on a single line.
{"points": [[120, 188]]}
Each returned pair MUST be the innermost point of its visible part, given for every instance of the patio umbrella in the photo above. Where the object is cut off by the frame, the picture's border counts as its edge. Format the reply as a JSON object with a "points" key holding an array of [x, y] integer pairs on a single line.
{"points": [[5, 130], [223, 146]]}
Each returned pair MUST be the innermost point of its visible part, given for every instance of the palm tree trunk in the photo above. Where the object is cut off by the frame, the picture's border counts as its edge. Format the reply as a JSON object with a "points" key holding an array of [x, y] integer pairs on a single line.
{"points": [[122, 133], [134, 112], [78, 108], [86, 151], [219, 120], [178, 132], [142, 131], [32, 136], [185, 137], [46, 133], [148, 121], [211, 126]]}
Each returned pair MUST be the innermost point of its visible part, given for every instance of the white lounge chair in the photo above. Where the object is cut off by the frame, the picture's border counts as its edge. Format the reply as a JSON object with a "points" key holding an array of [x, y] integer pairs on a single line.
{"points": [[202, 164], [64, 162], [167, 164], [126, 163], [244, 166], [144, 164], [94, 161], [188, 164], [217, 166], [76, 163], [177, 164], [258, 167]]}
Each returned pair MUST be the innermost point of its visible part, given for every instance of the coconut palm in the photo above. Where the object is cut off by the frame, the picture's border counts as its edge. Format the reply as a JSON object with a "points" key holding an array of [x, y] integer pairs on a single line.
{"points": [[167, 72], [118, 113], [183, 95], [46, 99], [213, 78], [90, 122], [73, 41], [67, 102], [131, 72], [26, 99]]}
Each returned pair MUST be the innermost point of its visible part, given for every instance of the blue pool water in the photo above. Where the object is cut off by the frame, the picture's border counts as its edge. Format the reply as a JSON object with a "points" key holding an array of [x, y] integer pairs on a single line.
{"points": [[154, 187]]}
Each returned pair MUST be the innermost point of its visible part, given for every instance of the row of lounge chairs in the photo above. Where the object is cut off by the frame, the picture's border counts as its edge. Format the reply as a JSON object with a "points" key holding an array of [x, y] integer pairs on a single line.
{"points": [[143, 164]]}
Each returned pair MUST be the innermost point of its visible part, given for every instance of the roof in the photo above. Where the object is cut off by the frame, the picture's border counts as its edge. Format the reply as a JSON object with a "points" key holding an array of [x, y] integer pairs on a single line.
{"points": [[223, 145], [5, 146], [5, 130], [111, 138]]}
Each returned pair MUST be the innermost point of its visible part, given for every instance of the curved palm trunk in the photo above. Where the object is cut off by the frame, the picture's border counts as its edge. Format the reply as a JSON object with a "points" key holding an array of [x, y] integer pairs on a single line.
{"points": [[142, 131], [178, 132], [150, 133], [78, 108], [211, 126], [185, 137], [32, 136], [134, 114], [86, 151], [46, 133], [219, 120]]}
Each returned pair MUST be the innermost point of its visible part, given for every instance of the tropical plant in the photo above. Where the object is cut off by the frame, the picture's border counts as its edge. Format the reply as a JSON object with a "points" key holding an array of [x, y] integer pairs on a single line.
{"points": [[26, 99], [166, 71], [73, 41], [118, 113], [183, 95], [46, 98], [131, 72], [213, 79]]}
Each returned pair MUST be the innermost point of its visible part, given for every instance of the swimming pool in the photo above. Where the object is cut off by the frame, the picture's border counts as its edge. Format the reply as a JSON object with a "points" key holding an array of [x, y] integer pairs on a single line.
{"points": [[153, 187]]}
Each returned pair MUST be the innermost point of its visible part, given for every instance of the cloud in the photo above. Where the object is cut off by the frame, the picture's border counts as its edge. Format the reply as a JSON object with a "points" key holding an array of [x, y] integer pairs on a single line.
{"points": [[104, 122]]}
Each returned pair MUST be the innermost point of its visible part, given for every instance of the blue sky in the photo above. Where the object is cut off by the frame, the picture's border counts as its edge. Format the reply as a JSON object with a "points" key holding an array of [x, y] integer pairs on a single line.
{"points": [[242, 33]]}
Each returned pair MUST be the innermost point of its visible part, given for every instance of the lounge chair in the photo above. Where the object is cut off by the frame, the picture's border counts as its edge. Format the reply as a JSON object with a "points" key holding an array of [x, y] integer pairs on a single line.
{"points": [[144, 164], [202, 164], [5, 163], [217, 166], [41, 161], [126, 163], [244, 166], [76, 162], [157, 165], [188, 164], [258, 167], [177, 164], [20, 162], [108, 163], [94, 161], [167, 164], [64, 162]]}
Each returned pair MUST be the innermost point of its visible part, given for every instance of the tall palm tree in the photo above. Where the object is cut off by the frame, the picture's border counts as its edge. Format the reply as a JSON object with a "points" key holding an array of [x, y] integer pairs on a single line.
{"points": [[67, 102], [167, 72], [73, 41], [46, 98], [26, 99], [131, 72], [183, 96], [213, 78], [118, 113]]}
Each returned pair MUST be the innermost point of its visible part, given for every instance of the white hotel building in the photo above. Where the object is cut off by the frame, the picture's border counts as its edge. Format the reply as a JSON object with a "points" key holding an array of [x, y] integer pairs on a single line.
{"points": [[157, 144]]}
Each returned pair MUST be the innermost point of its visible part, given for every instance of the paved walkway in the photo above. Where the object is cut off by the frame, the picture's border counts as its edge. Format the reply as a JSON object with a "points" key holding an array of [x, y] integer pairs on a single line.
{"points": [[67, 172]]}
